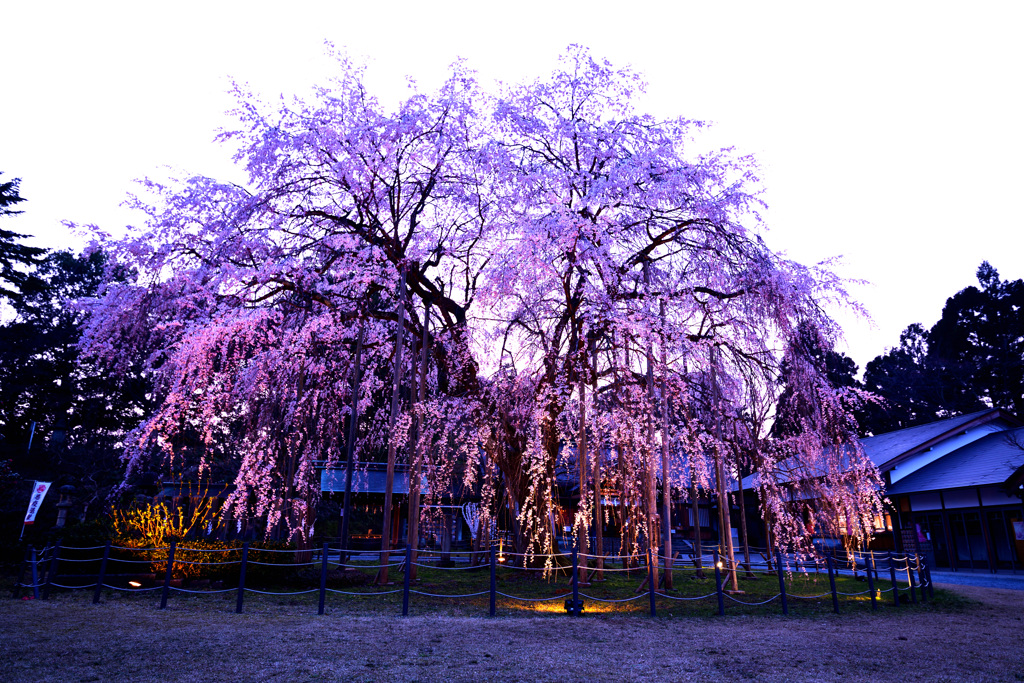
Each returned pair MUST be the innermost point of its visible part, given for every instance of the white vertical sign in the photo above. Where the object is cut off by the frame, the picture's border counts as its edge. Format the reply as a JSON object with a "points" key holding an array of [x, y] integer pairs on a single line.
{"points": [[39, 490]]}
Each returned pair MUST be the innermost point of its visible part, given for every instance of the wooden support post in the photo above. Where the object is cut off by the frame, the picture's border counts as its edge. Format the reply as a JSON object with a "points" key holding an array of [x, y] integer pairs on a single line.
{"points": [[241, 578], [718, 585], [651, 580], [350, 442], [872, 573], [832, 583], [405, 580], [494, 581], [782, 581], [389, 481], [892, 577], [167, 577], [323, 578], [103, 574], [51, 571]]}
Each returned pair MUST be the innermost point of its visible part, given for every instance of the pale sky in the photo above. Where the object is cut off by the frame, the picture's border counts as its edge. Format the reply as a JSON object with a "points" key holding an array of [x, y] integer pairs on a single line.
{"points": [[890, 133]]}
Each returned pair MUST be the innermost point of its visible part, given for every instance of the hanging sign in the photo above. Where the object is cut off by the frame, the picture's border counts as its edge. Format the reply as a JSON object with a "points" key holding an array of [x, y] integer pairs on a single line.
{"points": [[39, 490]]}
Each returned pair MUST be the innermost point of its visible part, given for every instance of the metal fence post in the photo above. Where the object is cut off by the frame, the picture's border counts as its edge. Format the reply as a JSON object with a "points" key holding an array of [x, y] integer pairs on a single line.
{"points": [[21, 575], [241, 578], [832, 583], [167, 578], [494, 582], [931, 584], [51, 570], [782, 581], [575, 579], [921, 580], [323, 579], [35, 573], [871, 571], [718, 584], [910, 581], [892, 577], [103, 574], [405, 581], [651, 588]]}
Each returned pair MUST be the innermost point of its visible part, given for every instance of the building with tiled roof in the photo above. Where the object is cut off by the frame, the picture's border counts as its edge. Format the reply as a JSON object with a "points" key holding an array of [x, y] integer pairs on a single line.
{"points": [[955, 487]]}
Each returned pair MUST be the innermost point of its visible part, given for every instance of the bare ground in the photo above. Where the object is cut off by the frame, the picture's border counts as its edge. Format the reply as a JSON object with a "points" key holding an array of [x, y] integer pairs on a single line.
{"points": [[66, 640]]}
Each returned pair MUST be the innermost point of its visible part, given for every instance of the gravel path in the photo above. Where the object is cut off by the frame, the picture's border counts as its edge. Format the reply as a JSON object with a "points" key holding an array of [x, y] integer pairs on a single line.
{"points": [[985, 580]]}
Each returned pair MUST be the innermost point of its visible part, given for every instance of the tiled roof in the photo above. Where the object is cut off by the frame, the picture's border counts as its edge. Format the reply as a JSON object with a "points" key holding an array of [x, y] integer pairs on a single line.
{"points": [[368, 478], [989, 460], [886, 447]]}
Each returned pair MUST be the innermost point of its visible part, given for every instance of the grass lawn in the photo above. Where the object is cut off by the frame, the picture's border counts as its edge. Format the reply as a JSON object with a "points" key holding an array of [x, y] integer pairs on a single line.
{"points": [[973, 634]]}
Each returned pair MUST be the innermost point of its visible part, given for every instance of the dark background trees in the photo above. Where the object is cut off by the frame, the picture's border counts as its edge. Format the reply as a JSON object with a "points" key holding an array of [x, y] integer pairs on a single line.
{"points": [[971, 359], [61, 419]]}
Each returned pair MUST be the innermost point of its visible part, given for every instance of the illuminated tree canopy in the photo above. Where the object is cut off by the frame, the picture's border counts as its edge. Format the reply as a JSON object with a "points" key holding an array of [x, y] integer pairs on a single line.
{"points": [[579, 286]]}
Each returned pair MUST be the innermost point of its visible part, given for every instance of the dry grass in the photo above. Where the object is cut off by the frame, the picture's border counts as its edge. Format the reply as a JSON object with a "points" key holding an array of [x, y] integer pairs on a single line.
{"points": [[974, 638]]}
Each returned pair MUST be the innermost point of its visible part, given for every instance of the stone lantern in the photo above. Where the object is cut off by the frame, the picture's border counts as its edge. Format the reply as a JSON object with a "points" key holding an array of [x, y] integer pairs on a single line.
{"points": [[64, 504]]}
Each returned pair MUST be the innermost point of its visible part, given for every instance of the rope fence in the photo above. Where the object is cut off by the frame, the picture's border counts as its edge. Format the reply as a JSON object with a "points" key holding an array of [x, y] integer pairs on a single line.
{"points": [[909, 578]]}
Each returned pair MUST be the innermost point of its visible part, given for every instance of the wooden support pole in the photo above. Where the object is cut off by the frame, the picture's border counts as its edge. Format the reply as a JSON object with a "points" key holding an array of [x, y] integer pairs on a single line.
{"points": [[389, 481], [350, 443]]}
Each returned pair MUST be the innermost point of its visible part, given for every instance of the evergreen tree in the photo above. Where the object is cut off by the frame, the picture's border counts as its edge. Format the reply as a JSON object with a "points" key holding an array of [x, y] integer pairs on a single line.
{"points": [[14, 282], [74, 415], [972, 358]]}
